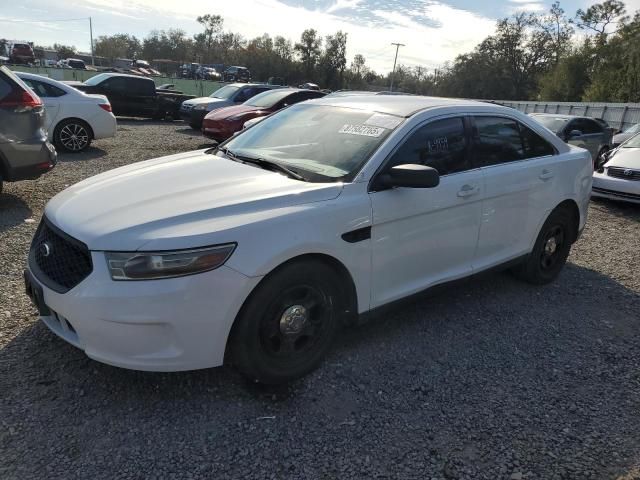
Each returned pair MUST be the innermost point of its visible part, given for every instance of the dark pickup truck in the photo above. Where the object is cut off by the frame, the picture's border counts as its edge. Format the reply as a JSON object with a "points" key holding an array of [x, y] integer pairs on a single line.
{"points": [[132, 96]]}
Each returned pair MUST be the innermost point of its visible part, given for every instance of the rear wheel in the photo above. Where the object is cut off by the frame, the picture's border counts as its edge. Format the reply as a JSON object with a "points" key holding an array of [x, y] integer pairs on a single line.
{"points": [[72, 136], [288, 323], [551, 249]]}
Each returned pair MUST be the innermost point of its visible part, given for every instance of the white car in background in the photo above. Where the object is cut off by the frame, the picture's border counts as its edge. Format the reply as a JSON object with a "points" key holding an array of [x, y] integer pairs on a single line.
{"points": [[73, 118], [619, 177], [258, 250]]}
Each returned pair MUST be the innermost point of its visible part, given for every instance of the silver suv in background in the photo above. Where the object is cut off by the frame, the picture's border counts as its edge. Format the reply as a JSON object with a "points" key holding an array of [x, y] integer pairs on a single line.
{"points": [[25, 152]]}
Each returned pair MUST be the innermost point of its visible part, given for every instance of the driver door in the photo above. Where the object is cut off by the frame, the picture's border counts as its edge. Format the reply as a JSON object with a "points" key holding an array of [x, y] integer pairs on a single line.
{"points": [[424, 236]]}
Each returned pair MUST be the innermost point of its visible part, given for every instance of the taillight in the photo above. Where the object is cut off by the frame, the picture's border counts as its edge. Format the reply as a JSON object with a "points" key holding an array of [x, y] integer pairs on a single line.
{"points": [[21, 99], [105, 106]]}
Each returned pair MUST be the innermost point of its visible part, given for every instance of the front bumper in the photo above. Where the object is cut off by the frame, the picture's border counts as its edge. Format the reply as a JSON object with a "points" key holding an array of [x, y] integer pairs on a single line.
{"points": [[157, 325], [615, 188], [193, 117]]}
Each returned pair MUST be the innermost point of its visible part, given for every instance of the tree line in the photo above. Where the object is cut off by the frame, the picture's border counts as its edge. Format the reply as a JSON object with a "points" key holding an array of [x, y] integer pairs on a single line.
{"points": [[591, 56]]}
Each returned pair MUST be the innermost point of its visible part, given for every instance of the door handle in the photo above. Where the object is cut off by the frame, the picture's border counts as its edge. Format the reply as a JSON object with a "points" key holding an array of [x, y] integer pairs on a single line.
{"points": [[468, 190], [545, 175]]}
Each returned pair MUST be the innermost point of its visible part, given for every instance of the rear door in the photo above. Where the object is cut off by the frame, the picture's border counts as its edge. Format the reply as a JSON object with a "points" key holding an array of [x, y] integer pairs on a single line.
{"points": [[144, 101], [115, 88], [520, 177], [424, 236]]}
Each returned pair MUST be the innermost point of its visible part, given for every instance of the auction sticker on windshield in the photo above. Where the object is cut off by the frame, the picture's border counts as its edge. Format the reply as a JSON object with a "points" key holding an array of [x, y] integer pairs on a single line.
{"points": [[364, 130]]}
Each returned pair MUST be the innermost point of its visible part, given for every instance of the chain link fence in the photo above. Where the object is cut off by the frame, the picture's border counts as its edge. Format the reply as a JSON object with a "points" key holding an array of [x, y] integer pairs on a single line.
{"points": [[617, 115]]}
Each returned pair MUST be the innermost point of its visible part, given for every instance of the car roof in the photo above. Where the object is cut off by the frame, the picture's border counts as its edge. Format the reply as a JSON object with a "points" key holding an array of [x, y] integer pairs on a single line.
{"points": [[557, 115], [113, 74], [32, 76], [399, 105]]}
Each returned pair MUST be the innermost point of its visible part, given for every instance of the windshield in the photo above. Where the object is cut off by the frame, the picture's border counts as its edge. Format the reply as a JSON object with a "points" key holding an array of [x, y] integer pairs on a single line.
{"points": [[322, 143], [225, 92], [269, 99], [633, 129], [633, 142], [555, 124], [96, 79]]}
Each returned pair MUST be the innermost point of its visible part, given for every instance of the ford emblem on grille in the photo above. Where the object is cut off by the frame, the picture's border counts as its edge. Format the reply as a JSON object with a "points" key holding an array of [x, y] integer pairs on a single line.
{"points": [[45, 249], [628, 172]]}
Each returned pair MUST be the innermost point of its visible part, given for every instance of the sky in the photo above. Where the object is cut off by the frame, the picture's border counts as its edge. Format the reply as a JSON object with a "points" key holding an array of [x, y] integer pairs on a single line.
{"points": [[433, 31]]}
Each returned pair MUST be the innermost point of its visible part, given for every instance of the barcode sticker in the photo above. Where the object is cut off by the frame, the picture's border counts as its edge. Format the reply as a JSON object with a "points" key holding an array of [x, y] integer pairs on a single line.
{"points": [[363, 130]]}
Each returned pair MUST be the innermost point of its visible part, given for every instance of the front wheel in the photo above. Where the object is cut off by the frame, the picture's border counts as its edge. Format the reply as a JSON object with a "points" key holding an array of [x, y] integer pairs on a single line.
{"points": [[72, 136], [288, 323], [550, 251]]}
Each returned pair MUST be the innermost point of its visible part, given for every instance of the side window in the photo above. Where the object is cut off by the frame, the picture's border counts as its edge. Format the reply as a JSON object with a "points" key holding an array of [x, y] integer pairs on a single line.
{"points": [[441, 144], [497, 140], [534, 144], [591, 126], [309, 95], [37, 87], [142, 87], [245, 94], [115, 84]]}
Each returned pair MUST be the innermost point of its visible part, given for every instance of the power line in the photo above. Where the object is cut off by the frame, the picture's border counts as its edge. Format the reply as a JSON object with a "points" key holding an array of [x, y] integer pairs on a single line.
{"points": [[43, 21]]}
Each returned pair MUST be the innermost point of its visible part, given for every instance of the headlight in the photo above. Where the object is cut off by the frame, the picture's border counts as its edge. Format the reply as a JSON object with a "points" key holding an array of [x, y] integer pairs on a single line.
{"points": [[154, 265], [201, 106]]}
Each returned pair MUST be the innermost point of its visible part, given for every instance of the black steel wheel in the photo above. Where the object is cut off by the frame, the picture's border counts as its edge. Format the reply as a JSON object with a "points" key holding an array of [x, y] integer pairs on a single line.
{"points": [[287, 325], [72, 136], [551, 249]]}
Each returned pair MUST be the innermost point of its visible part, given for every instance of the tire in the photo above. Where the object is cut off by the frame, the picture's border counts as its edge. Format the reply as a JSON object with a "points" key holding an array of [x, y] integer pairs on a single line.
{"points": [[194, 126], [551, 249], [73, 136], [288, 323]]}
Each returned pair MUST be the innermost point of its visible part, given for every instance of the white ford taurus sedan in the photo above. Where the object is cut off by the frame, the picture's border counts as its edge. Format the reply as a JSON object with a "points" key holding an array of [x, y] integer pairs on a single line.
{"points": [[257, 251]]}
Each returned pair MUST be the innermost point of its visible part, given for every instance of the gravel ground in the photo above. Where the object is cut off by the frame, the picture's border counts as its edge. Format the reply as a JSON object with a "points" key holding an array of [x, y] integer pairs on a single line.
{"points": [[490, 379]]}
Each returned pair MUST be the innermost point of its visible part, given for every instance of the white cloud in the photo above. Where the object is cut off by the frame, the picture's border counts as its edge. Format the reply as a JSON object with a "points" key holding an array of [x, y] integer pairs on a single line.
{"points": [[525, 6], [433, 32]]}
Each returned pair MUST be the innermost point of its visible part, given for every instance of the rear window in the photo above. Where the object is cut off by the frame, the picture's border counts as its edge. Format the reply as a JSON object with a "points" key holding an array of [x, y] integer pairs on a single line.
{"points": [[12, 76], [269, 99]]}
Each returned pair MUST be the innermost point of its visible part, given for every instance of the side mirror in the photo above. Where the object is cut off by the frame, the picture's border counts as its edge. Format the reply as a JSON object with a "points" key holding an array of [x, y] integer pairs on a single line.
{"points": [[410, 176], [574, 134]]}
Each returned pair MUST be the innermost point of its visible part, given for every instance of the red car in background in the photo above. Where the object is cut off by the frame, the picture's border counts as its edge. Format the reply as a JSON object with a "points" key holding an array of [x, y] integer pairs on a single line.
{"points": [[223, 123]]}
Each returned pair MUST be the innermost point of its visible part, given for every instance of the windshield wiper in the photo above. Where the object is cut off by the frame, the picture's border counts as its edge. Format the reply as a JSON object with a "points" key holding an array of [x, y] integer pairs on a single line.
{"points": [[263, 163]]}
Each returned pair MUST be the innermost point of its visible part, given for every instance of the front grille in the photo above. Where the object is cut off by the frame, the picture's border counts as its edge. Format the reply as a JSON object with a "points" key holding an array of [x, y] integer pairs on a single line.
{"points": [[58, 260], [186, 107], [625, 173]]}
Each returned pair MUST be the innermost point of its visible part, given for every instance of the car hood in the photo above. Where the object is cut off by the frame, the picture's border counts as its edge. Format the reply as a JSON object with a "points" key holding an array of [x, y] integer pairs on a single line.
{"points": [[621, 137], [625, 158], [232, 111], [206, 100], [182, 201]]}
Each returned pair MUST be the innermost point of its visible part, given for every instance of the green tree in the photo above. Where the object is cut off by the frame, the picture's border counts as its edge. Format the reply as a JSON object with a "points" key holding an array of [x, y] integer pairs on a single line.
{"points": [[64, 51], [120, 45], [309, 51], [334, 59], [205, 41], [597, 18]]}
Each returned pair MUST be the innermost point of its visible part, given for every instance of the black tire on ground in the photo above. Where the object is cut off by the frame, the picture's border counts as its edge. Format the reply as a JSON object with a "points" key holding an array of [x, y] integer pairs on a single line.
{"points": [[288, 323], [72, 136], [0, 183], [551, 249], [195, 126]]}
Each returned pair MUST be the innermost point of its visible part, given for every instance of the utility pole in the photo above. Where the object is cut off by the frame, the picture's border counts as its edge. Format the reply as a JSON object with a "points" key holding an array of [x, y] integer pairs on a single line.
{"points": [[393, 72], [91, 38]]}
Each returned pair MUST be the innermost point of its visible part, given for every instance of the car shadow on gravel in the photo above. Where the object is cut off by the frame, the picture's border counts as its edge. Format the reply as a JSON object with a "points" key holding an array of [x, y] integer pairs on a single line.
{"points": [[619, 209], [190, 132], [545, 376], [133, 121], [90, 153], [13, 211]]}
